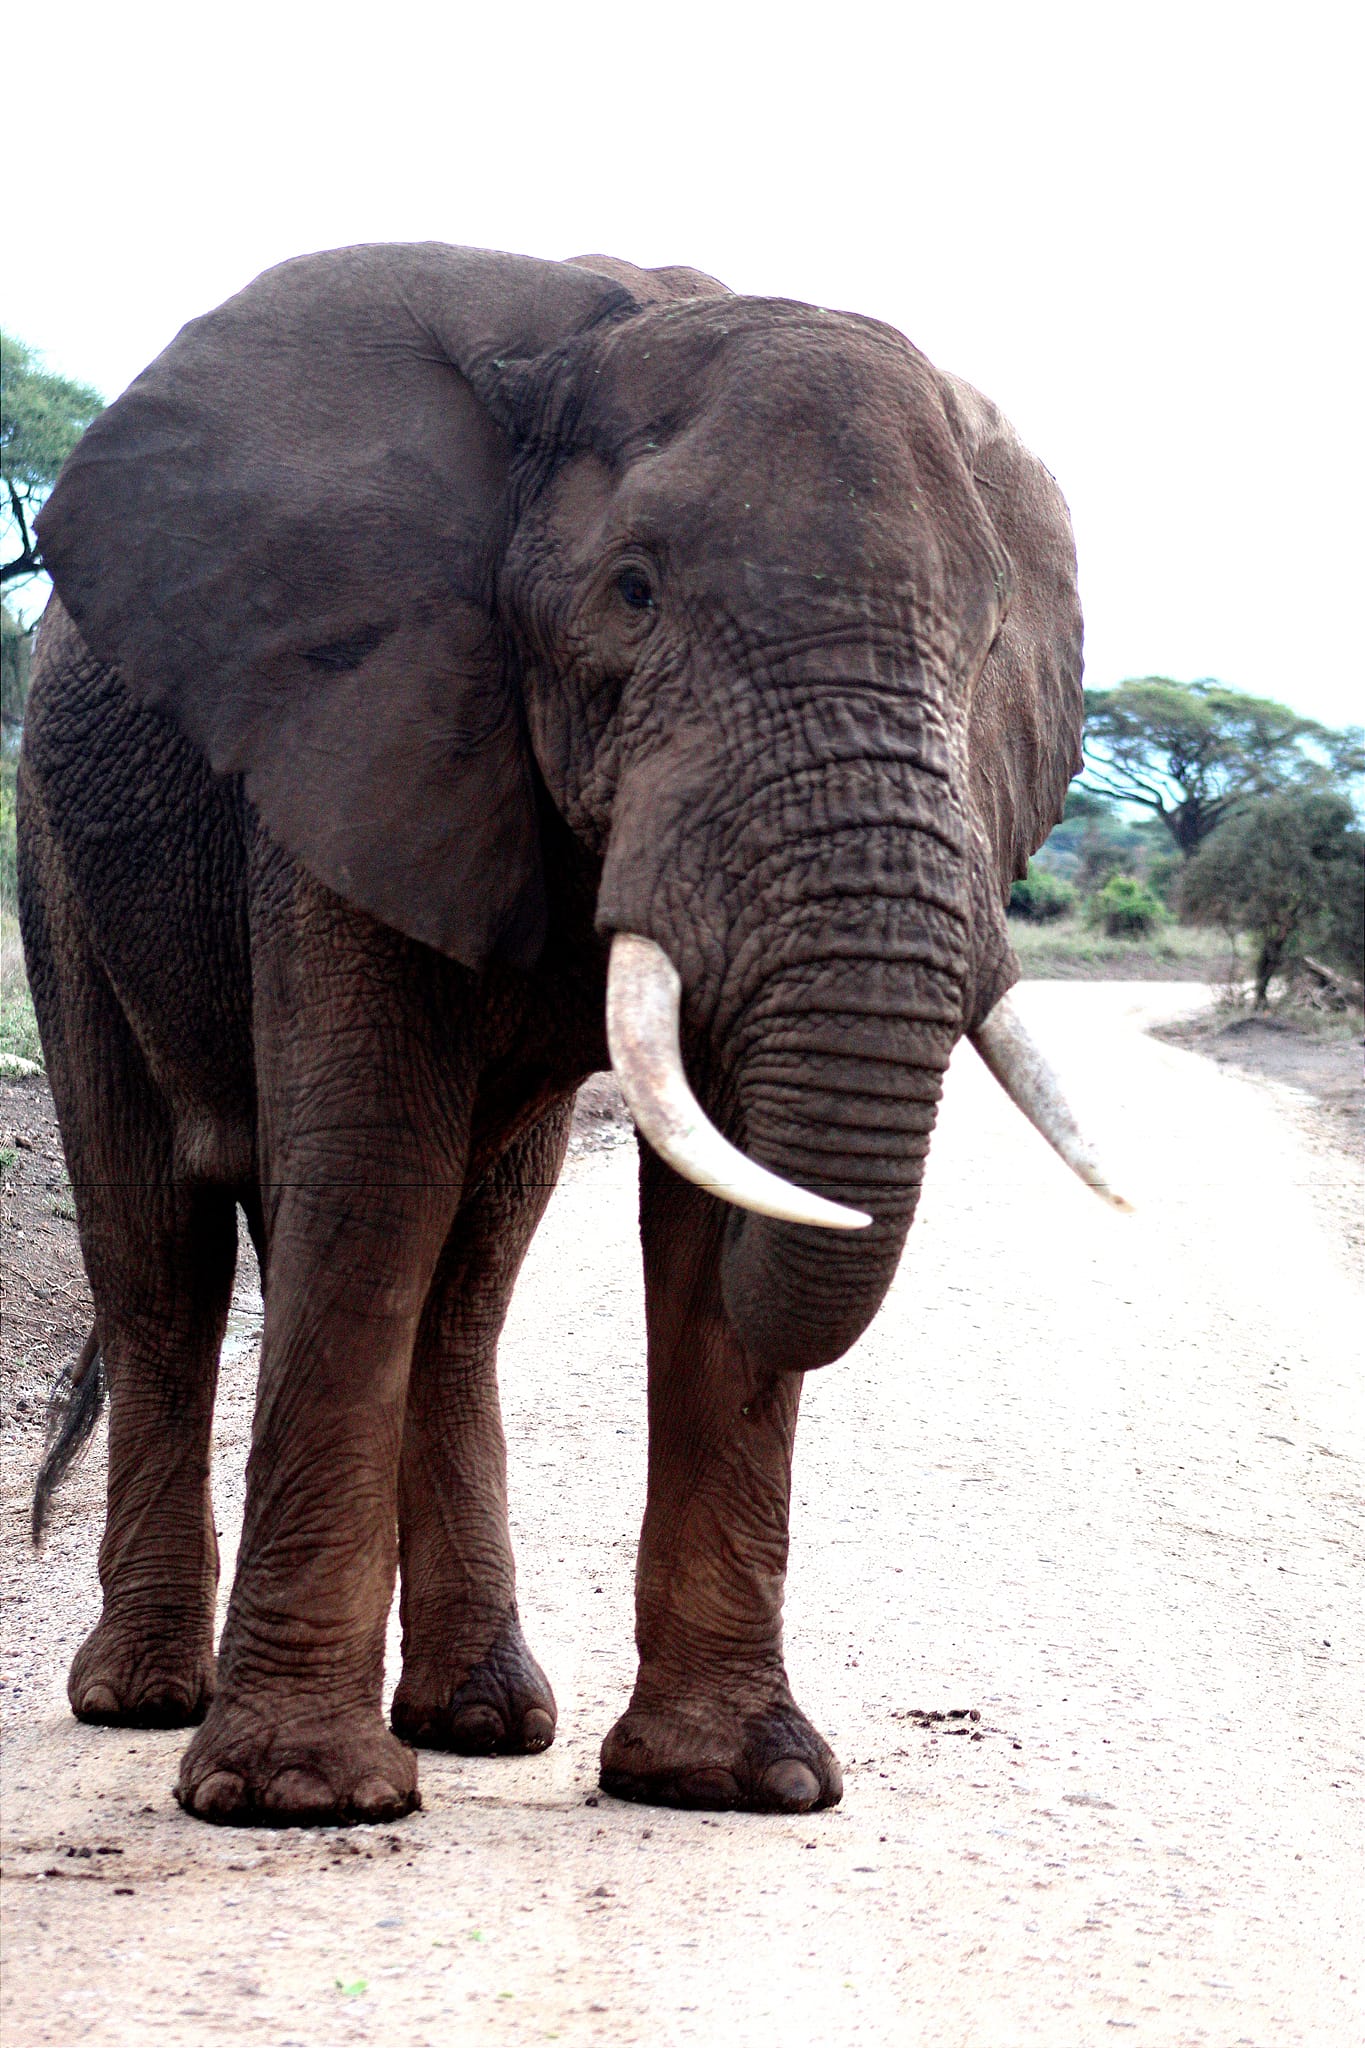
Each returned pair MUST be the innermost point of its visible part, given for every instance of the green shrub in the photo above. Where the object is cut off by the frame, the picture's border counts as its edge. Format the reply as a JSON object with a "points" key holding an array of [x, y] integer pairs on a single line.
{"points": [[1126, 909], [1041, 898]]}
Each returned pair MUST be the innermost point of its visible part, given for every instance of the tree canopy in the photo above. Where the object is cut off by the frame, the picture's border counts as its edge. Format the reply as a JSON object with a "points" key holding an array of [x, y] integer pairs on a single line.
{"points": [[1290, 870], [42, 416], [1192, 753]]}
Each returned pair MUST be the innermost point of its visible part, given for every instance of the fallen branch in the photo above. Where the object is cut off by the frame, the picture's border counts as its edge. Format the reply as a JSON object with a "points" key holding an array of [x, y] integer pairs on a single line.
{"points": [[1341, 992]]}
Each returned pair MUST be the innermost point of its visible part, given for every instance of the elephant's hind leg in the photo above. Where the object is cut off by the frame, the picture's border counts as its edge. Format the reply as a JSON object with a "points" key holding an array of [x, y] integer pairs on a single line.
{"points": [[469, 1681], [160, 1253], [165, 1267]]}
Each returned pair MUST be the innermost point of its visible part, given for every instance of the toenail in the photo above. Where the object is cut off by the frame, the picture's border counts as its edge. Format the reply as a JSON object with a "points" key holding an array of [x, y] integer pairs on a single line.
{"points": [[298, 1791], [376, 1797], [709, 1788], [790, 1786], [220, 1792], [537, 1728], [99, 1699], [479, 1724]]}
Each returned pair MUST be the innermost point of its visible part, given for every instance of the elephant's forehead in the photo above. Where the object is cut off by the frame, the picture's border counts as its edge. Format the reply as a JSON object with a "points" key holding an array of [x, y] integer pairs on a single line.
{"points": [[769, 410], [736, 370], [844, 497]]}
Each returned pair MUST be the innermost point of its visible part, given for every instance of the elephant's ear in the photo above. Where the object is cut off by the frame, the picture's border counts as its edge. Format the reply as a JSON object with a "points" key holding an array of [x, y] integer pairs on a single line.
{"points": [[285, 536], [1027, 709]]}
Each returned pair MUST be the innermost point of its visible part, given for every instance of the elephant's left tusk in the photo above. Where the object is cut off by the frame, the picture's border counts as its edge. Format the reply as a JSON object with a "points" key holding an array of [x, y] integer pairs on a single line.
{"points": [[1006, 1045], [644, 1000]]}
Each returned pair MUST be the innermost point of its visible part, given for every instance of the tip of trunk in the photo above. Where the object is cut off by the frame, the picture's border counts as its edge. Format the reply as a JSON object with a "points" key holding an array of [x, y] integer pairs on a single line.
{"points": [[800, 1298]]}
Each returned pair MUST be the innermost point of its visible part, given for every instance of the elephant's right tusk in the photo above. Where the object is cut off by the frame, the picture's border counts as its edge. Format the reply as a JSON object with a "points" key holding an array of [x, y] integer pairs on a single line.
{"points": [[644, 1001], [1006, 1045]]}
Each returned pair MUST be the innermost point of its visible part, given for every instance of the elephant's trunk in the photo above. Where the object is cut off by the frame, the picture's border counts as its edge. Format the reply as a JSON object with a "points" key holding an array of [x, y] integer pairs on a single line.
{"points": [[855, 1161], [799, 1297], [832, 1075]]}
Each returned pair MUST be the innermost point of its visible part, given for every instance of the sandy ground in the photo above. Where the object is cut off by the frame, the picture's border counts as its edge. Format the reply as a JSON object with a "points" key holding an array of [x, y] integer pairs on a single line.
{"points": [[1097, 1478]]}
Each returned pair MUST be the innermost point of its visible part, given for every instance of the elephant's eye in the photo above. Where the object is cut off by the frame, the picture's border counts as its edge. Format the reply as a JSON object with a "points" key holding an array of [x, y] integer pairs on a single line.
{"points": [[636, 590]]}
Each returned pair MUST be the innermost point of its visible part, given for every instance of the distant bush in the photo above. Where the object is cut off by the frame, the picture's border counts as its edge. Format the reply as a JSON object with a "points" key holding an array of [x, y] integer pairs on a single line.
{"points": [[1041, 898], [1126, 909], [1289, 870], [1099, 859], [1162, 876]]}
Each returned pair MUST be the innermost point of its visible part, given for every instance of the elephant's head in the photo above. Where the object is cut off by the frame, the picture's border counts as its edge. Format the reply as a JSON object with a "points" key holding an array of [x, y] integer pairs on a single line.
{"points": [[783, 620]]}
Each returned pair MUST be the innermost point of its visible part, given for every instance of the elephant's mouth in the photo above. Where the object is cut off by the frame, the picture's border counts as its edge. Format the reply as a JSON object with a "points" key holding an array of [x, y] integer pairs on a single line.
{"points": [[644, 995]]}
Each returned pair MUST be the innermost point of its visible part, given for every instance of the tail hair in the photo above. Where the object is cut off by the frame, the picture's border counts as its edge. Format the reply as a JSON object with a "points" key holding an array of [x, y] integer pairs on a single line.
{"points": [[73, 1409]]}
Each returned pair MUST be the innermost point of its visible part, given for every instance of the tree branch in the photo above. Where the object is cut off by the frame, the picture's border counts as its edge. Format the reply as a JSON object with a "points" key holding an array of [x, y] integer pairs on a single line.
{"points": [[22, 565], [1125, 791], [1126, 777], [29, 563]]}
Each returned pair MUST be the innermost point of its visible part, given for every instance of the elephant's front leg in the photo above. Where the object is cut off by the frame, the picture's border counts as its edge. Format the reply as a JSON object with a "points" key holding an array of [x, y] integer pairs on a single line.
{"points": [[712, 1721], [469, 1680], [295, 1732]]}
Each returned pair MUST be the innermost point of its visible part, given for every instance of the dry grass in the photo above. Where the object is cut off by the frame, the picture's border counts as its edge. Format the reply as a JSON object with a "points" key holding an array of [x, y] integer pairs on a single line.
{"points": [[1069, 951]]}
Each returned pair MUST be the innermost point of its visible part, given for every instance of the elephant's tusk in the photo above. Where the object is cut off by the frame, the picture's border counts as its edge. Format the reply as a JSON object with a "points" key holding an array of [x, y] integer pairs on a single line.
{"points": [[644, 1001], [1010, 1052]]}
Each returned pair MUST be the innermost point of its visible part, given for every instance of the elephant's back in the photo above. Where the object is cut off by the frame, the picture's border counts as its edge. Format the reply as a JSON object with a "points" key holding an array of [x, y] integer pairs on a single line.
{"points": [[153, 846]]}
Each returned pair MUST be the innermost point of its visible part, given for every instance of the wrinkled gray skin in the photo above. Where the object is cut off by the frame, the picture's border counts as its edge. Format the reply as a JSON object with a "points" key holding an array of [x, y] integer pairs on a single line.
{"points": [[423, 618]]}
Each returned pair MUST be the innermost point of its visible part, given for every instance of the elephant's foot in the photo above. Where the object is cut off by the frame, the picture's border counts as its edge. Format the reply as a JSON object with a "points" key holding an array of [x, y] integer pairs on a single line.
{"points": [[259, 1763], [503, 1707], [126, 1677], [762, 1758]]}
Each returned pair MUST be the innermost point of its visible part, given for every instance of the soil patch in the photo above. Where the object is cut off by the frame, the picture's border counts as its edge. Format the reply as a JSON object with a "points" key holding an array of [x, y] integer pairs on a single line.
{"points": [[601, 1120], [45, 1307], [1276, 1048]]}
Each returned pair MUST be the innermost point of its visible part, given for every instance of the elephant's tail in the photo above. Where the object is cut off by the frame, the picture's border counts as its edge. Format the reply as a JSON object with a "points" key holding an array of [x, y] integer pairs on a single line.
{"points": [[73, 1409]]}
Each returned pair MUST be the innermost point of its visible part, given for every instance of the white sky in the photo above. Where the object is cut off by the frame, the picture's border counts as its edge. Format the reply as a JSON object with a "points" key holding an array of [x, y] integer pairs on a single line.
{"points": [[1133, 226]]}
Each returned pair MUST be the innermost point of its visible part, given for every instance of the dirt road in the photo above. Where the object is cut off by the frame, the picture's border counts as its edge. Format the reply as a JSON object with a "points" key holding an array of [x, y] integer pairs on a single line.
{"points": [[1097, 1478]]}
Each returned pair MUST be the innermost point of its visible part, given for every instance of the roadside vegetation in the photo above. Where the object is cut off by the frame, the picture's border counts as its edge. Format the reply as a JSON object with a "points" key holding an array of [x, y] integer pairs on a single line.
{"points": [[18, 1026], [1211, 836], [42, 416], [1073, 951]]}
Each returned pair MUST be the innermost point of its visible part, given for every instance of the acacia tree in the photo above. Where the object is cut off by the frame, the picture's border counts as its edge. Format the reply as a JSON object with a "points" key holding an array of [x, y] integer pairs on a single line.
{"points": [[42, 416], [1289, 870], [1192, 753]]}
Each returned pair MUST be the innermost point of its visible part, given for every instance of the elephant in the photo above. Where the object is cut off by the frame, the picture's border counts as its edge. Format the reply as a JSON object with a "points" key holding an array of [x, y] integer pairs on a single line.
{"points": [[465, 671]]}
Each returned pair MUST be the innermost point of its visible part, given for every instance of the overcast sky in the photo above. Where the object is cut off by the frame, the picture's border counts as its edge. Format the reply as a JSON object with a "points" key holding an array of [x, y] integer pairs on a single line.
{"points": [[1134, 227]]}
